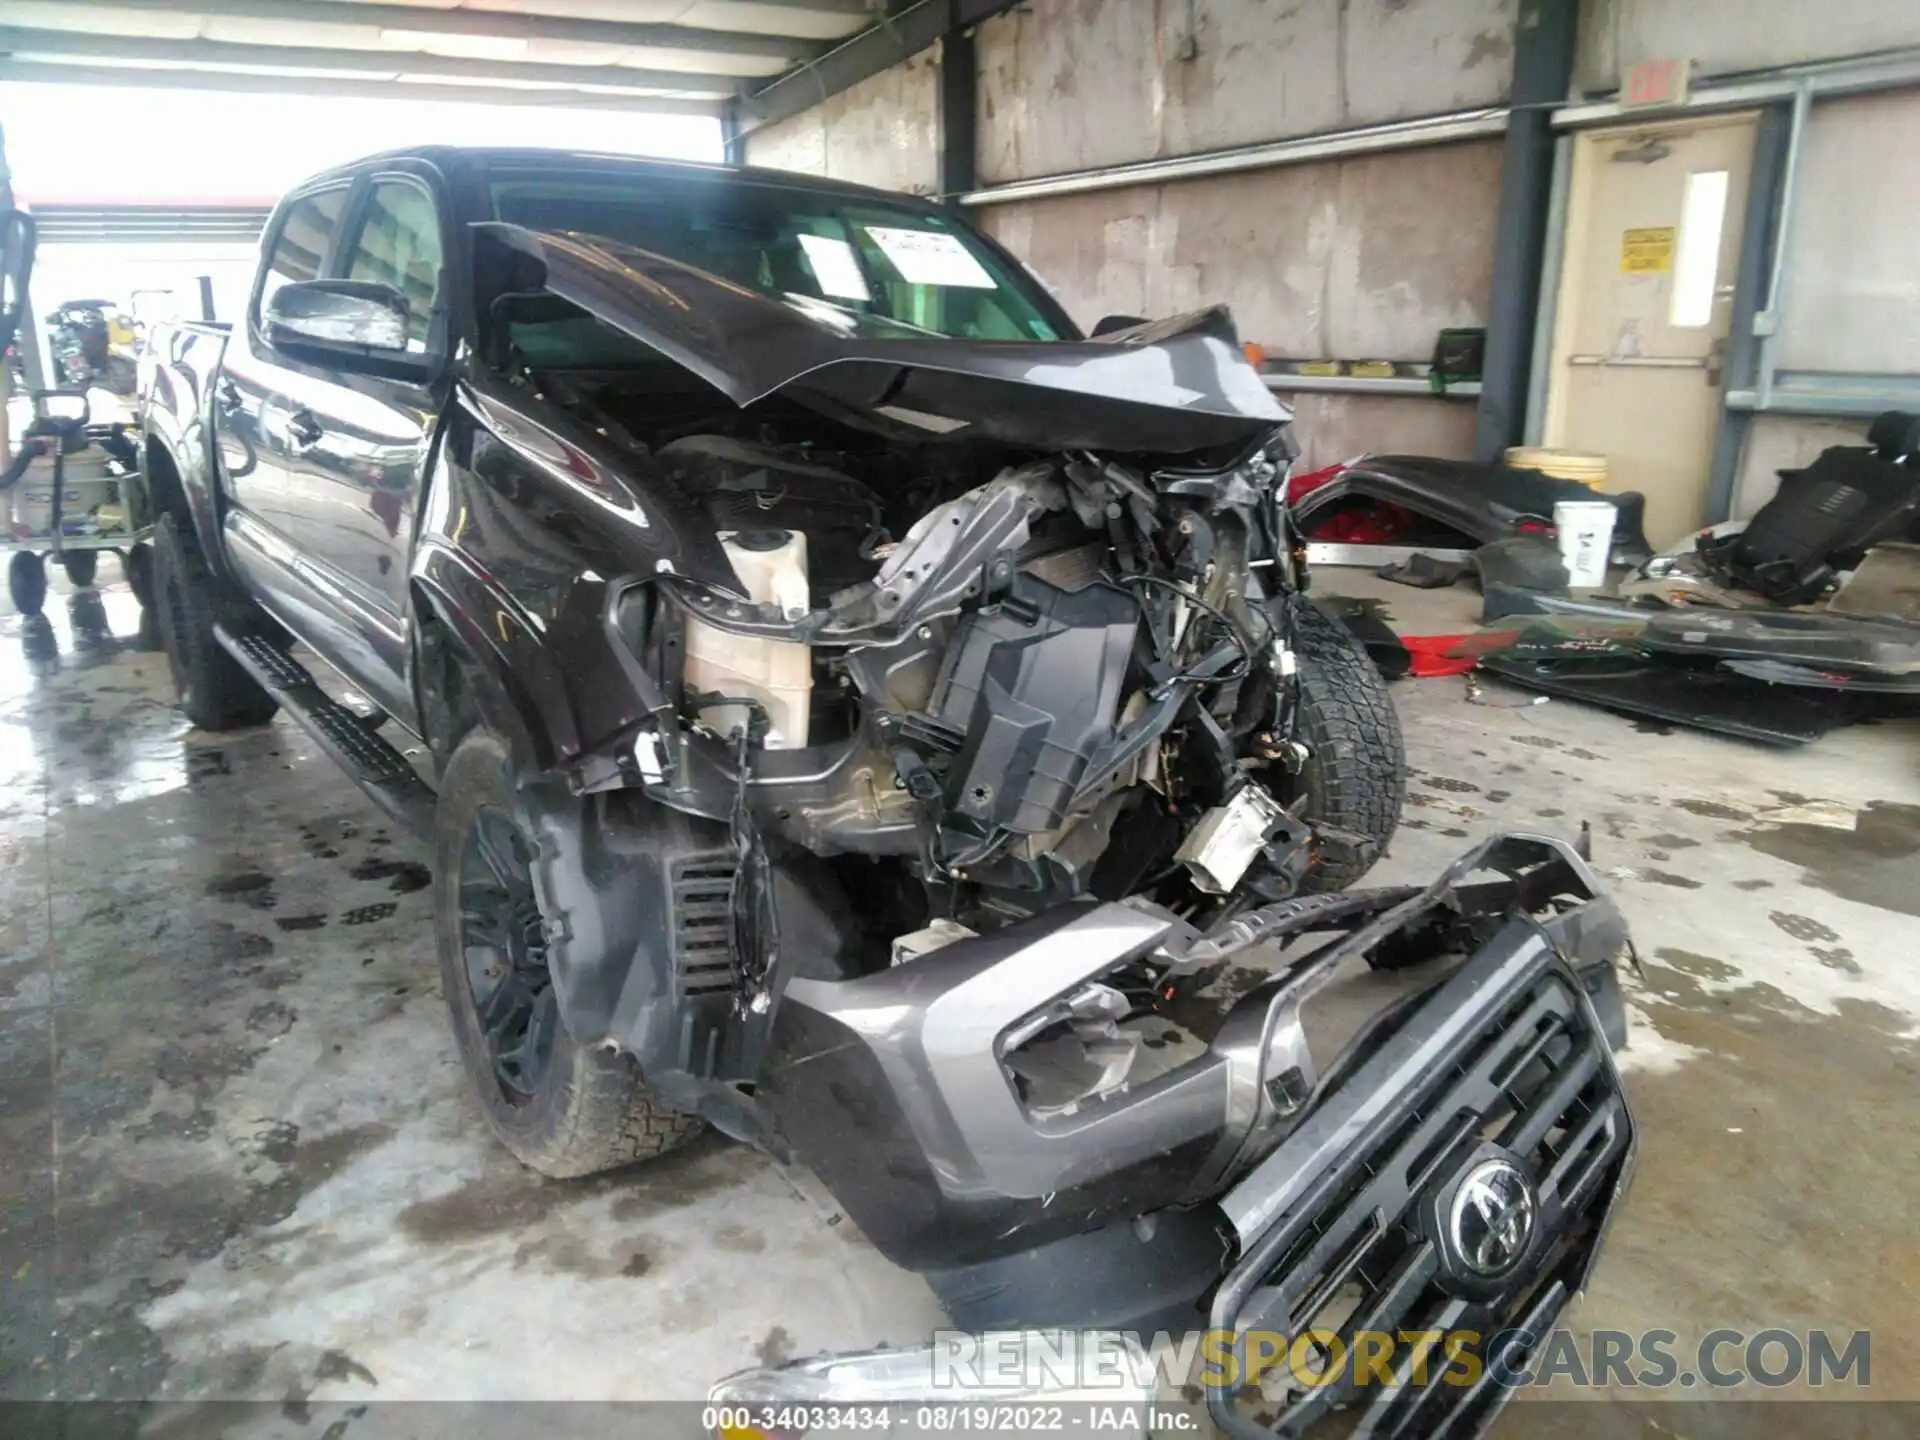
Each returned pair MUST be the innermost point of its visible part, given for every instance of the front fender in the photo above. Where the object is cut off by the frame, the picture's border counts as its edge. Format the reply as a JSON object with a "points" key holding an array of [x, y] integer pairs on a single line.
{"points": [[513, 680]]}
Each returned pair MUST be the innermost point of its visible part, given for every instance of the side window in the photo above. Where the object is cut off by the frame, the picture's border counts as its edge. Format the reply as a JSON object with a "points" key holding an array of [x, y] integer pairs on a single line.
{"points": [[300, 245], [399, 245]]}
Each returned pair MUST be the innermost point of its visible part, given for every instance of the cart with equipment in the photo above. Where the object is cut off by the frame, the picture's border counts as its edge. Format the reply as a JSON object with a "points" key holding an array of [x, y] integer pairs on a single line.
{"points": [[71, 492]]}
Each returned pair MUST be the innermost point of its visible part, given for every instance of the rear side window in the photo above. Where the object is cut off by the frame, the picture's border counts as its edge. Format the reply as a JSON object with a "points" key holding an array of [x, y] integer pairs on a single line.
{"points": [[300, 244], [399, 245]]}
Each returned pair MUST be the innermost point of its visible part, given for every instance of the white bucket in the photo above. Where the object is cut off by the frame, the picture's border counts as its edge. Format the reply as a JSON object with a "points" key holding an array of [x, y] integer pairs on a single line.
{"points": [[1586, 535]]}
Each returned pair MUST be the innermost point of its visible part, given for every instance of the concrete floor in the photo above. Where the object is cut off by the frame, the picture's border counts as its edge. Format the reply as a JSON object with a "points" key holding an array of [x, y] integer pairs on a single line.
{"points": [[241, 1162]]}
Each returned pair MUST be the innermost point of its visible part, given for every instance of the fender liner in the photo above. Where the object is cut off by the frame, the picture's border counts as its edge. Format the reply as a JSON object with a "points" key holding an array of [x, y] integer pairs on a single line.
{"points": [[187, 490], [522, 692]]}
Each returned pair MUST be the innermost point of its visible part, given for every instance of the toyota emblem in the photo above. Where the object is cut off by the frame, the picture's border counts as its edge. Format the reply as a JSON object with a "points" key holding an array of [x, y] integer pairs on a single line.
{"points": [[1491, 1221]]}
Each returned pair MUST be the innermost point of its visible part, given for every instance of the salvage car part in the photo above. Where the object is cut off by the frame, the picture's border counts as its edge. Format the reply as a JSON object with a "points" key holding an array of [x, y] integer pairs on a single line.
{"points": [[1698, 698], [1500, 601], [1515, 1077], [1333, 553], [1777, 672], [993, 1097], [1825, 641], [1524, 562], [1885, 585], [1423, 570], [1482, 502], [1401, 1040], [1824, 518], [1680, 576]]}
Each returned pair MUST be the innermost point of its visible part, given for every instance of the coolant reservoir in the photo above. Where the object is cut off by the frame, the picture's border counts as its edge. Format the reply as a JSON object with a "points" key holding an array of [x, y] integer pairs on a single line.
{"points": [[772, 565]]}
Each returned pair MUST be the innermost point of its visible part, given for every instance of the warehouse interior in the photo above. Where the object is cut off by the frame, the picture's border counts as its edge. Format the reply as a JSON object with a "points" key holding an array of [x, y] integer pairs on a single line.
{"points": [[1656, 250]]}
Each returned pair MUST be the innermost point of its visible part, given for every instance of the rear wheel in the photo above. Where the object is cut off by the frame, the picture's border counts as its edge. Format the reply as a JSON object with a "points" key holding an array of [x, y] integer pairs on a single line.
{"points": [[563, 1108], [189, 600], [1355, 775], [27, 582]]}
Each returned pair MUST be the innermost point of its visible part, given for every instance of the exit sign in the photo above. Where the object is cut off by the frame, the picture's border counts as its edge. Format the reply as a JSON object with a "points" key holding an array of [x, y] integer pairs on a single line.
{"points": [[1655, 82]]}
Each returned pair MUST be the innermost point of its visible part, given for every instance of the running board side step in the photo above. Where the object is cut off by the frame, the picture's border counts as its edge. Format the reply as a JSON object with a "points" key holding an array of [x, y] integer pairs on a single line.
{"points": [[376, 767]]}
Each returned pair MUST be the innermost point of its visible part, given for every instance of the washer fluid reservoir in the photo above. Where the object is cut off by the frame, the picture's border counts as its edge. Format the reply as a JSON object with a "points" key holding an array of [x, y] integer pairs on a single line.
{"points": [[772, 566]]}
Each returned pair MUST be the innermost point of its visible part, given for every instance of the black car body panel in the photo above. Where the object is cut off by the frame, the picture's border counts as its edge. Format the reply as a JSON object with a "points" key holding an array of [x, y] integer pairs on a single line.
{"points": [[1483, 502]]}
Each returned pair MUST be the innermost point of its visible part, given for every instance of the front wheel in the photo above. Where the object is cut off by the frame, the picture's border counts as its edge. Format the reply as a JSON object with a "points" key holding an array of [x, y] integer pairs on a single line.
{"points": [[563, 1108], [1354, 778]]}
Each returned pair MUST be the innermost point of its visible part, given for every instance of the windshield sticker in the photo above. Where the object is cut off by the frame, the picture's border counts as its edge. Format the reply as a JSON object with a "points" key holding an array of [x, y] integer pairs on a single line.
{"points": [[926, 257], [835, 267]]}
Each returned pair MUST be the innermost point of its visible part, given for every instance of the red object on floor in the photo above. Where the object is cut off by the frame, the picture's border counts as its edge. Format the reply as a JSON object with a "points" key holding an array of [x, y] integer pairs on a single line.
{"points": [[1437, 655]]}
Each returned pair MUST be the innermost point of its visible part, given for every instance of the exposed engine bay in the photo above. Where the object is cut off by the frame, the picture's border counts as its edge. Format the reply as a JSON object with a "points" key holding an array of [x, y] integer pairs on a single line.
{"points": [[928, 710], [1068, 682], [930, 684]]}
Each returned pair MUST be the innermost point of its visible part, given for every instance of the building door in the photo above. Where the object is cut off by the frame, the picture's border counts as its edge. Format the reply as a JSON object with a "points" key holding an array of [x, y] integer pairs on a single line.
{"points": [[1645, 303]]}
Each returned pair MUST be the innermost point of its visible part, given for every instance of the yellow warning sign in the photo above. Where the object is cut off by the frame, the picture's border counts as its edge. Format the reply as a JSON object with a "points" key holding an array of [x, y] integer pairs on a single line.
{"points": [[1646, 252]]}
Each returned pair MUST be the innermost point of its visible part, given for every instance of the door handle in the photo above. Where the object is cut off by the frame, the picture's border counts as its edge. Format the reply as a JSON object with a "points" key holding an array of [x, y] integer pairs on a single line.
{"points": [[304, 429], [1641, 362], [229, 398]]}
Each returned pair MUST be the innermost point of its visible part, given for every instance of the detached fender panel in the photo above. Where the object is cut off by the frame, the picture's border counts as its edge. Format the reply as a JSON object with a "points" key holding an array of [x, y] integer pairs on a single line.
{"points": [[1483, 502]]}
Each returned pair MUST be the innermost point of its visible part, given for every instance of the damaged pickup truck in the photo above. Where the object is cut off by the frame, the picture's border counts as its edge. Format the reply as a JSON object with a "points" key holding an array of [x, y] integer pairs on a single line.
{"points": [[862, 714]]}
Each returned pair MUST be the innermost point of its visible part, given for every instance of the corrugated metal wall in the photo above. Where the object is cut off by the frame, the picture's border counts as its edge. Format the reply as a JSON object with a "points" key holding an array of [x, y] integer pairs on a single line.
{"points": [[1368, 257], [1363, 258]]}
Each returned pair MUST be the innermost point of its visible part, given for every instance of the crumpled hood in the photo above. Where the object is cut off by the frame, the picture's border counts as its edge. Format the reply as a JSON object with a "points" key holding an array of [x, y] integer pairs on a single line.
{"points": [[1166, 387]]}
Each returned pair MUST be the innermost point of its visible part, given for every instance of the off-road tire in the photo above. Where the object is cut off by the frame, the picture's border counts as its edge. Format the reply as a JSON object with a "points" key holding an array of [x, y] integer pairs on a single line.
{"points": [[81, 566], [593, 1111], [188, 600], [1355, 776]]}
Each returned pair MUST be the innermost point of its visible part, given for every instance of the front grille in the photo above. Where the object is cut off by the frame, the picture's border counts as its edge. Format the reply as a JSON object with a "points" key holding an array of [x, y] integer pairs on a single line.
{"points": [[702, 925], [1361, 1248]]}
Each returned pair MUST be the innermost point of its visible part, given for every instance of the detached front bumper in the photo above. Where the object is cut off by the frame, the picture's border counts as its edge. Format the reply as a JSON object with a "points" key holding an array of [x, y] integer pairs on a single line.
{"points": [[1458, 1183], [898, 1091]]}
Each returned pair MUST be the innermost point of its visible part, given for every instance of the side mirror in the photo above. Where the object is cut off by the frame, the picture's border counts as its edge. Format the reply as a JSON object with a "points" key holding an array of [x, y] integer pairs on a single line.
{"points": [[344, 318], [1107, 324]]}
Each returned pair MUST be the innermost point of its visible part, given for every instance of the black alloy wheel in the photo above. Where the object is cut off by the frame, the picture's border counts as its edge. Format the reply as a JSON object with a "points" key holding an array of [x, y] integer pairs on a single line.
{"points": [[503, 942]]}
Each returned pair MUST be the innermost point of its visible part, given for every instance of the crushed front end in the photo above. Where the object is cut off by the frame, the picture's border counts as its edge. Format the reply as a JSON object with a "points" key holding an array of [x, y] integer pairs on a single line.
{"points": [[1404, 1121], [960, 796]]}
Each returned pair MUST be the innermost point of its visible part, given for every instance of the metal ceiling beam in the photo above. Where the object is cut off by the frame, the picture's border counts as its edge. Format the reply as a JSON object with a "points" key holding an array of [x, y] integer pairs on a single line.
{"points": [[895, 38], [27, 72], [493, 24], [1446, 129], [191, 53]]}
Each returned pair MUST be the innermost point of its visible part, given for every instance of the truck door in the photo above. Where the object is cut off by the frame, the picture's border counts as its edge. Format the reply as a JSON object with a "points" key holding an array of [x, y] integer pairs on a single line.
{"points": [[353, 477], [250, 406]]}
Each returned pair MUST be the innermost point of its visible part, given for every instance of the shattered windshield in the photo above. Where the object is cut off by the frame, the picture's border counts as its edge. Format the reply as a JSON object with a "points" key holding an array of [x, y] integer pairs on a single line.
{"points": [[886, 269]]}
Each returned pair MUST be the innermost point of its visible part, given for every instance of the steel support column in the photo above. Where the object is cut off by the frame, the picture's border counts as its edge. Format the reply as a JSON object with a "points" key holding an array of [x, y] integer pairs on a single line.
{"points": [[959, 109], [733, 141], [1544, 37], [1759, 238]]}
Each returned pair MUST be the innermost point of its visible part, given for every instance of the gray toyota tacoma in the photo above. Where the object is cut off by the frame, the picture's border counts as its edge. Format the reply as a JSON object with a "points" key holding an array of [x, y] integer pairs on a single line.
{"points": [[866, 715]]}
